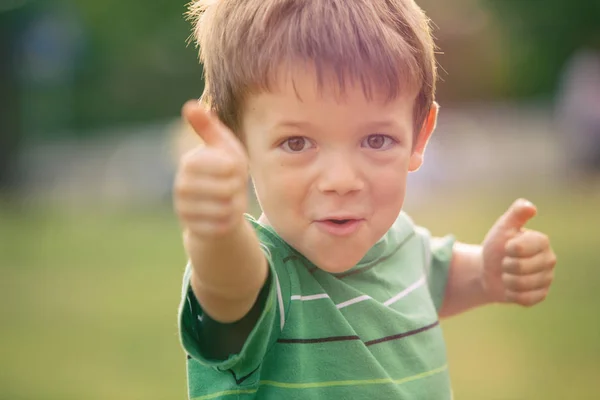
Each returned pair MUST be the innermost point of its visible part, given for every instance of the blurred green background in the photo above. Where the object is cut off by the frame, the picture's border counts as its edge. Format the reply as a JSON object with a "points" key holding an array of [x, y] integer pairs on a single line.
{"points": [[89, 305], [91, 258]]}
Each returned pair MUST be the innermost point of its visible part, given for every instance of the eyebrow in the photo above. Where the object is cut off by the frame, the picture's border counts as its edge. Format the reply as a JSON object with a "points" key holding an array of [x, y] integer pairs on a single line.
{"points": [[369, 125], [381, 124], [293, 124]]}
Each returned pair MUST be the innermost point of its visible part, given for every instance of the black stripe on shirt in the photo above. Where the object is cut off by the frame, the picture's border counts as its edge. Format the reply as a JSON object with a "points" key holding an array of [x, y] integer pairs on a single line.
{"points": [[319, 340], [243, 378], [402, 335], [354, 337]]}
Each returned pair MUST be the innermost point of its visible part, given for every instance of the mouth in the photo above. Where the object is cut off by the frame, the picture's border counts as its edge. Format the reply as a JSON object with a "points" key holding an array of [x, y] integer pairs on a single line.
{"points": [[339, 221], [339, 226]]}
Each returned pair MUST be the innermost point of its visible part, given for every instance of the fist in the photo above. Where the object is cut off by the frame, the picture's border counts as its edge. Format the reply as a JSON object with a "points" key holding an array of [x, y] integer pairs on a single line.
{"points": [[518, 264], [210, 189]]}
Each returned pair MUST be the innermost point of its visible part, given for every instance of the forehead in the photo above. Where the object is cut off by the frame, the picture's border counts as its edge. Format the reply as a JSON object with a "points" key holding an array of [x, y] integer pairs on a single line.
{"points": [[301, 94]]}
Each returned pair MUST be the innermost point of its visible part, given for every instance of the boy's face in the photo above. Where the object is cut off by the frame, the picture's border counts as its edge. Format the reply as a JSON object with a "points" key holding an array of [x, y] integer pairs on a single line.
{"points": [[330, 171]]}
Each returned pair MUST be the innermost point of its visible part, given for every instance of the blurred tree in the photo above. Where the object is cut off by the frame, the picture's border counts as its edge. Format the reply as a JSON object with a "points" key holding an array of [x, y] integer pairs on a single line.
{"points": [[87, 65], [543, 35], [137, 65], [11, 20], [133, 63], [471, 51]]}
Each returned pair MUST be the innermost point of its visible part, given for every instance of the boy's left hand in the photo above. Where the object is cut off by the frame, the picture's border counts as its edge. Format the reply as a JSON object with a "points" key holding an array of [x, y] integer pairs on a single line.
{"points": [[518, 263]]}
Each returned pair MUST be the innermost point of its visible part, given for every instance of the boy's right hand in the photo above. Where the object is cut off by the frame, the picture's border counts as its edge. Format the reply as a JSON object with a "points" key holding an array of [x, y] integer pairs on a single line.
{"points": [[210, 192]]}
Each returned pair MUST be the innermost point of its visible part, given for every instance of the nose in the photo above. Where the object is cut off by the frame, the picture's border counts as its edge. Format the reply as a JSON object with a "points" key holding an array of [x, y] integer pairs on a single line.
{"points": [[340, 175]]}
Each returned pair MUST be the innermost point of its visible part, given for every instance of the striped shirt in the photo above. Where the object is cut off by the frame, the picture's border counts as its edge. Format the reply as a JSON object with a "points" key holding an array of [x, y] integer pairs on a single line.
{"points": [[368, 333]]}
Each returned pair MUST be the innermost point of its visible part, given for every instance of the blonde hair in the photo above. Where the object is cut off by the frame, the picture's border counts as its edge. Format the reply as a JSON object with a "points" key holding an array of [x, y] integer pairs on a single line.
{"points": [[381, 44]]}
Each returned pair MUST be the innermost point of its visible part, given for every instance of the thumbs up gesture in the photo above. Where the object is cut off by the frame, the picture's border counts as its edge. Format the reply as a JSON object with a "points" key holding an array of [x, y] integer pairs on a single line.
{"points": [[210, 190], [518, 264]]}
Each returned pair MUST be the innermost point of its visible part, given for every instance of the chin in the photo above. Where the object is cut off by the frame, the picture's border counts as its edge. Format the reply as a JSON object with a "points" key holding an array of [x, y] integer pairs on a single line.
{"points": [[336, 265]]}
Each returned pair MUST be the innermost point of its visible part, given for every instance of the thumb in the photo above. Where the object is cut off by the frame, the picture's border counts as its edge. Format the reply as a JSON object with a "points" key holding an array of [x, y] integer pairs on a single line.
{"points": [[212, 132], [517, 215]]}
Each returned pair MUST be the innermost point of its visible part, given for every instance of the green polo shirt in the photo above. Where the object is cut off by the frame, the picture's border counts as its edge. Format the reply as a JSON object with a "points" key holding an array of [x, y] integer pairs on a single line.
{"points": [[369, 333]]}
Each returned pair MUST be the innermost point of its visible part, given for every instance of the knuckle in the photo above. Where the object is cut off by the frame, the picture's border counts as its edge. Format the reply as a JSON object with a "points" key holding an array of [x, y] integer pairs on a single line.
{"points": [[512, 264], [517, 248], [200, 230], [512, 282], [551, 276], [229, 166], [511, 247], [187, 214], [552, 260], [530, 299], [180, 185], [219, 229], [507, 264], [232, 187], [223, 226], [223, 211], [544, 239], [520, 284], [528, 303], [517, 265], [183, 189], [188, 161], [523, 283], [526, 300], [207, 229]]}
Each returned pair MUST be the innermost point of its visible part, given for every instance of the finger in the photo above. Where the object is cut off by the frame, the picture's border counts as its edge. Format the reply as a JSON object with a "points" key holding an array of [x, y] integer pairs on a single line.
{"points": [[526, 266], [526, 283], [527, 244], [210, 229], [517, 215], [208, 209], [207, 127], [527, 299], [210, 189], [202, 161]]}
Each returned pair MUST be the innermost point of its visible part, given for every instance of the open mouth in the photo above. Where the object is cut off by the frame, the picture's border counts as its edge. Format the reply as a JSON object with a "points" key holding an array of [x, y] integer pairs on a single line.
{"points": [[339, 221], [339, 227]]}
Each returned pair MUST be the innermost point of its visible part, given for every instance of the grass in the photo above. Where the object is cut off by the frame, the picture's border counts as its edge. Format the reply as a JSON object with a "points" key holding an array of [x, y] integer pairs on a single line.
{"points": [[89, 300]]}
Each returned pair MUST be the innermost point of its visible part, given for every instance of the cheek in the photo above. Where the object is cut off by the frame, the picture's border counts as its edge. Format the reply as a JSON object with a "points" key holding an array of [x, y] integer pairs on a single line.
{"points": [[283, 189], [388, 190]]}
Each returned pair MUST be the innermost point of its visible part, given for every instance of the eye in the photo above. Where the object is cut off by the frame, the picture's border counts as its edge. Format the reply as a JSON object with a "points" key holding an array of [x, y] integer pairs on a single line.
{"points": [[296, 144], [378, 141]]}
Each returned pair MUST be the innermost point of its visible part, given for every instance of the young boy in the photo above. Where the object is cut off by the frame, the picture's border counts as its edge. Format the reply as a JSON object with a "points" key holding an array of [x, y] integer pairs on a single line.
{"points": [[333, 293]]}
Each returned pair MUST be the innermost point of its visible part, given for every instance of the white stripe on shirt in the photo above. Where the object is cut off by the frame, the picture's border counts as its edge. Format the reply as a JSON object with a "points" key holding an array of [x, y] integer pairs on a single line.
{"points": [[311, 297], [280, 301], [406, 291], [364, 297], [353, 301]]}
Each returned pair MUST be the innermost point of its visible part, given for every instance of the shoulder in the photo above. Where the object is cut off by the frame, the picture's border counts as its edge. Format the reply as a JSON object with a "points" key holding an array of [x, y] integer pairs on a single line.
{"points": [[277, 251], [403, 229], [410, 238], [270, 241], [405, 226]]}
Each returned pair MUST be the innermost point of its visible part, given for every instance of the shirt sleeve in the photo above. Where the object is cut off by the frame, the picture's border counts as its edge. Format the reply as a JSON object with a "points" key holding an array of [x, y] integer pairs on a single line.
{"points": [[241, 346], [437, 254]]}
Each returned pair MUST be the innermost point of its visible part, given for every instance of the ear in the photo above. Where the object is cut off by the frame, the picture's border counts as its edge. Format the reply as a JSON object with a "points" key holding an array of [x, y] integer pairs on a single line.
{"points": [[416, 158]]}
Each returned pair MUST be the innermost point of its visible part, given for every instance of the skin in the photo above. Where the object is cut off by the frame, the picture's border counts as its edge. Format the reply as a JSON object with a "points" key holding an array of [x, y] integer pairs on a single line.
{"points": [[353, 161], [315, 155]]}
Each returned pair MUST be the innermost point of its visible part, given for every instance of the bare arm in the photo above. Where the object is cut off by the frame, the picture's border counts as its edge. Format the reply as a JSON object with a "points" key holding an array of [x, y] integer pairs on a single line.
{"points": [[229, 268], [514, 265], [465, 289], [228, 272]]}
